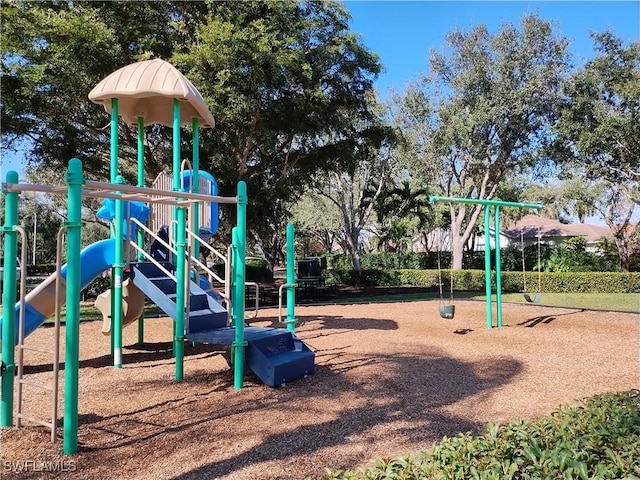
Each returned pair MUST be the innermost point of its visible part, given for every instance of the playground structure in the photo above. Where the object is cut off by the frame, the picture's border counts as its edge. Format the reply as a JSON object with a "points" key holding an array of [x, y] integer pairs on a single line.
{"points": [[487, 204], [145, 93]]}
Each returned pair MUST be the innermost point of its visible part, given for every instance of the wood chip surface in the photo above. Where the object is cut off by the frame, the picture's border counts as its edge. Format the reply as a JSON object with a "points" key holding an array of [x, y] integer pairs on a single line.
{"points": [[390, 379]]}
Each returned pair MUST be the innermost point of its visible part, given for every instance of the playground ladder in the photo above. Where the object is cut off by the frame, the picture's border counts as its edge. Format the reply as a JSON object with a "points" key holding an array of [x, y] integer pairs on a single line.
{"points": [[53, 385]]}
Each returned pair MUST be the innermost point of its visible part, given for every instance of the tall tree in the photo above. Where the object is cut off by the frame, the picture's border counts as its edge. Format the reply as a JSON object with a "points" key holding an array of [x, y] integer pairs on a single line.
{"points": [[401, 212], [290, 89], [287, 82], [484, 113], [599, 132], [53, 53], [354, 193], [318, 220]]}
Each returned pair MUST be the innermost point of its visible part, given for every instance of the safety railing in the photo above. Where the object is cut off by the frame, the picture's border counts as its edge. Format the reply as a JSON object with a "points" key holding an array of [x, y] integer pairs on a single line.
{"points": [[148, 256], [193, 260]]}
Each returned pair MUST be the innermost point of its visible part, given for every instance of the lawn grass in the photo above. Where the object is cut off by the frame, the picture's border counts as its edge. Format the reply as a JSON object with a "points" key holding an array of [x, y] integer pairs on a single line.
{"points": [[621, 302], [615, 302]]}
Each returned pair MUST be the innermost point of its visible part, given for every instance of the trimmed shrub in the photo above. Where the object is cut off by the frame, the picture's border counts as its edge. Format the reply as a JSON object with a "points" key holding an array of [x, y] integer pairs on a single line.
{"points": [[573, 282], [599, 440], [364, 277], [41, 269], [256, 270], [474, 280]]}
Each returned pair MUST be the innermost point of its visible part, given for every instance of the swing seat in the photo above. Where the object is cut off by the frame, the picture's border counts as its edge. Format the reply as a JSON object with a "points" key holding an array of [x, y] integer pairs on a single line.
{"points": [[447, 311], [536, 298]]}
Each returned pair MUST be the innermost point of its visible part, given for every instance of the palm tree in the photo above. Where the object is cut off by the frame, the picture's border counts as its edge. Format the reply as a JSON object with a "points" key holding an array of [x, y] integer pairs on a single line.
{"points": [[401, 212]]}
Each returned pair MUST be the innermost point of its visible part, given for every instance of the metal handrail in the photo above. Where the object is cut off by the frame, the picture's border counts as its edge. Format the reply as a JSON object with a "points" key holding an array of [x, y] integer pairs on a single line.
{"points": [[257, 306], [202, 265], [147, 255], [282, 287], [192, 259]]}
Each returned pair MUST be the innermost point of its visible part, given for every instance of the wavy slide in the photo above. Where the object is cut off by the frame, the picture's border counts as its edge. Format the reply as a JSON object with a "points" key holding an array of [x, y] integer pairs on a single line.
{"points": [[40, 302]]}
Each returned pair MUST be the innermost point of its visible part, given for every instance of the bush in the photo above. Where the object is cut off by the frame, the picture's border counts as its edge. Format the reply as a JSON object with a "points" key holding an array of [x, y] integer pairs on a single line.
{"points": [[410, 260], [474, 280], [573, 282], [41, 269], [364, 277], [571, 256], [96, 287], [256, 270], [600, 440]]}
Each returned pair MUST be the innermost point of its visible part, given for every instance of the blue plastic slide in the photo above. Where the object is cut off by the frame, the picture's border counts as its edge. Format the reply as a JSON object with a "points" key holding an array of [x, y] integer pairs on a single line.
{"points": [[40, 303]]}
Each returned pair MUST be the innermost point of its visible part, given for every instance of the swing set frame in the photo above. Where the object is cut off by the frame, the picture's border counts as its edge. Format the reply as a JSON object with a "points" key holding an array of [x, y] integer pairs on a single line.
{"points": [[488, 204]]}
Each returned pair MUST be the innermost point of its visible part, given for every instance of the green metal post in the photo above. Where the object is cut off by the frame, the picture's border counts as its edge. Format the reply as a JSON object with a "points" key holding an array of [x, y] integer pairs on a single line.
{"points": [[118, 272], [291, 278], [487, 262], [181, 245], [74, 180], [114, 139], [140, 233], [176, 144], [8, 299], [176, 157], [179, 217], [176, 188], [195, 188], [113, 173], [496, 220], [238, 305]]}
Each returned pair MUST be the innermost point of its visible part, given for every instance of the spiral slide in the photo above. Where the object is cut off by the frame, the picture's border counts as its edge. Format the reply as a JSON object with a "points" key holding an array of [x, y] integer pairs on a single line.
{"points": [[40, 302]]}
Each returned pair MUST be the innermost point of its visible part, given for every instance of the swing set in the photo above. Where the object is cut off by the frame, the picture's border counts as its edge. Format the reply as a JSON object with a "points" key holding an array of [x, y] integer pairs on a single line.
{"points": [[487, 204]]}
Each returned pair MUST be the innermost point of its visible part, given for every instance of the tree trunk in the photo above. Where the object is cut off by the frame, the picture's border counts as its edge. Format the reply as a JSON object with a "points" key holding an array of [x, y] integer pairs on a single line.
{"points": [[457, 249], [623, 252], [352, 245]]}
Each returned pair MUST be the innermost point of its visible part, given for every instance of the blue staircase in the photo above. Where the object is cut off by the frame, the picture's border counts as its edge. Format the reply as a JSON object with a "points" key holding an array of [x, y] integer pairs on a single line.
{"points": [[204, 312], [275, 355]]}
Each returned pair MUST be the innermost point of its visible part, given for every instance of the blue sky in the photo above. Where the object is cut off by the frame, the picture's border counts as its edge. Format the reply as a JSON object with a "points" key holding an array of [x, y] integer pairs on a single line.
{"points": [[403, 32]]}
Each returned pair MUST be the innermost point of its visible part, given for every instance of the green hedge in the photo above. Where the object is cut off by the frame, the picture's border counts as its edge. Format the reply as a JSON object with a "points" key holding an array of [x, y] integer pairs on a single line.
{"points": [[256, 270], [551, 282], [41, 269], [600, 440], [574, 282], [510, 260]]}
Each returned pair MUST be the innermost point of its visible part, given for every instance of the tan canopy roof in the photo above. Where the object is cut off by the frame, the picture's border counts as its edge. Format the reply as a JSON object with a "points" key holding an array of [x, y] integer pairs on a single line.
{"points": [[147, 89]]}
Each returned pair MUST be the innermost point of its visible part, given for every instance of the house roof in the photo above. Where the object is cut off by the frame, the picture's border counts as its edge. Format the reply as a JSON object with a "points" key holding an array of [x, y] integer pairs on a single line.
{"points": [[532, 225], [147, 89]]}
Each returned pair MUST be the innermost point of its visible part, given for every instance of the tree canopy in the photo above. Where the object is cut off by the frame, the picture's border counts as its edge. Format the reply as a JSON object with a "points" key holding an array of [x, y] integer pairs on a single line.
{"points": [[599, 133], [287, 82], [290, 87], [484, 113]]}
